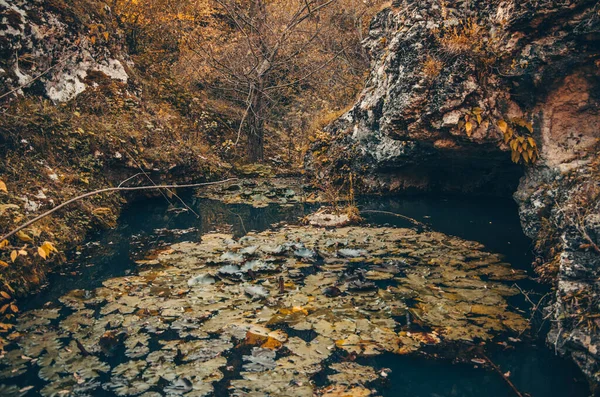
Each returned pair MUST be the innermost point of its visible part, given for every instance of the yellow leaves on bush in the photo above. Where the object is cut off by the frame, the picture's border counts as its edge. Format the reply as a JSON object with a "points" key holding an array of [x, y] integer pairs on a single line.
{"points": [[5, 295], [3, 243], [97, 30], [517, 135], [14, 255], [3, 264], [6, 327], [472, 119], [46, 249], [3, 186], [13, 308]]}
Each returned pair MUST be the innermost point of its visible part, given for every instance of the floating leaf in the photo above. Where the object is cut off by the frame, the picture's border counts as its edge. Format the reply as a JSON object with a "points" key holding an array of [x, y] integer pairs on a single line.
{"points": [[261, 359], [256, 291], [201, 279]]}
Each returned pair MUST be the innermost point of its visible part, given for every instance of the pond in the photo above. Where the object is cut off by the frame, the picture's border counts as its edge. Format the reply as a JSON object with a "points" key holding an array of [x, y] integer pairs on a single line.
{"points": [[270, 308]]}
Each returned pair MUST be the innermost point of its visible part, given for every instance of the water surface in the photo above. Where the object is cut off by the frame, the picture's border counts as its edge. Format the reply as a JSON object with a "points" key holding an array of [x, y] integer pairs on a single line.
{"points": [[154, 224]]}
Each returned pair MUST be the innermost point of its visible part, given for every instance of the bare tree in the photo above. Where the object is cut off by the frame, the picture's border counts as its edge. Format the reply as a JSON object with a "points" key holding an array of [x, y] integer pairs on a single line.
{"points": [[279, 62], [265, 51]]}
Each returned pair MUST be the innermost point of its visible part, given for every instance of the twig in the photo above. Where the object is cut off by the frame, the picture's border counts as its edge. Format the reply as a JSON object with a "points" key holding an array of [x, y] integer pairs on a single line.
{"points": [[82, 348], [239, 216], [416, 222], [130, 178], [512, 386], [249, 102], [534, 306], [108, 190]]}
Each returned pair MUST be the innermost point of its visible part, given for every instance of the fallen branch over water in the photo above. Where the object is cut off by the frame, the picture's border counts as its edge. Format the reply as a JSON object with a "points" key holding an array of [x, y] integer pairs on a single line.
{"points": [[408, 218], [107, 190], [499, 371]]}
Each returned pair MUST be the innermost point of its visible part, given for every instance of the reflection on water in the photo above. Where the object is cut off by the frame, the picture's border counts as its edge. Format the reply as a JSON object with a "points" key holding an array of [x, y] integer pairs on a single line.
{"points": [[150, 225]]}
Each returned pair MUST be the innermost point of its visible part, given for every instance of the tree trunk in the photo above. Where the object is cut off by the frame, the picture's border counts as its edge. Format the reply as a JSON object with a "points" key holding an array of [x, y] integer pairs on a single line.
{"points": [[256, 127]]}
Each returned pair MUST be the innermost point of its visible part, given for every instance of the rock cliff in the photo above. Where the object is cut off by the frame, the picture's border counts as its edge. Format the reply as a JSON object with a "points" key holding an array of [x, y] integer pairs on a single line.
{"points": [[52, 48], [470, 96]]}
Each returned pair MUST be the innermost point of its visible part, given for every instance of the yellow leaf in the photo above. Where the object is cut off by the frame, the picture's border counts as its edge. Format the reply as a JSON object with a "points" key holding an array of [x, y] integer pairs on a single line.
{"points": [[93, 39], [14, 255], [3, 243], [506, 137], [5, 295], [531, 141], [529, 127], [49, 247], [502, 125], [477, 111], [14, 308], [3, 264], [42, 252], [22, 252], [3, 309], [515, 157], [105, 34], [520, 122], [468, 128], [479, 118], [525, 156], [21, 235], [3, 187]]}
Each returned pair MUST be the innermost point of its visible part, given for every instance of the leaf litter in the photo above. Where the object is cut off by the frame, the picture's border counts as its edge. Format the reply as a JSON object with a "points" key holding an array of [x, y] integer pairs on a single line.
{"points": [[176, 328]]}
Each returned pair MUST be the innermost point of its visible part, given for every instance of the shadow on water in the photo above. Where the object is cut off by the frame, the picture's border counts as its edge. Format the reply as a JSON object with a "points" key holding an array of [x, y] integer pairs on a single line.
{"points": [[533, 370], [494, 222]]}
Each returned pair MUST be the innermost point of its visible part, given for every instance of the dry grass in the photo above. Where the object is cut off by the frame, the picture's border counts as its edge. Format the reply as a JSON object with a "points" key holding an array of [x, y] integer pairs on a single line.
{"points": [[463, 39], [432, 67]]}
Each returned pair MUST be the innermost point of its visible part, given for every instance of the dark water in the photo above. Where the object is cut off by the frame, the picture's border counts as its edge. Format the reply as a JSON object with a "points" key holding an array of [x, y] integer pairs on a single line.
{"points": [[153, 224]]}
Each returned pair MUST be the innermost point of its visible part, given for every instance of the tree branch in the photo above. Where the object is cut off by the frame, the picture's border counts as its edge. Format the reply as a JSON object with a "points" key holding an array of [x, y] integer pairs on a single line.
{"points": [[107, 190]]}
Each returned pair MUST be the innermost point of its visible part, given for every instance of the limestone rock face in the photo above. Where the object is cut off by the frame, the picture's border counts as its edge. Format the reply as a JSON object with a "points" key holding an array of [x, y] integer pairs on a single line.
{"points": [[55, 50], [436, 66], [435, 63]]}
